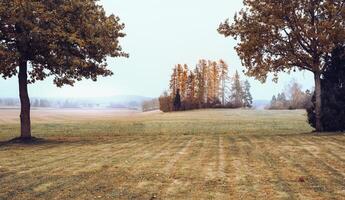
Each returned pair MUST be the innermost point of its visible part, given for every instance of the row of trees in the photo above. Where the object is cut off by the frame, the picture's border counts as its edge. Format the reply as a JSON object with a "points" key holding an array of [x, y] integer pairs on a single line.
{"points": [[208, 85], [9, 102], [49, 103], [292, 98]]}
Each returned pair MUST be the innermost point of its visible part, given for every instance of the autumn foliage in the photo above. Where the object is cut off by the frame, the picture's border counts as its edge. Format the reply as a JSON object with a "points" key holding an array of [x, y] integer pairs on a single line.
{"points": [[208, 85]]}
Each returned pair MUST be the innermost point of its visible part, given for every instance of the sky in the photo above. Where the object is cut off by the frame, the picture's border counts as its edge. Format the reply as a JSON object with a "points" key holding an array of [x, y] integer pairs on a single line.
{"points": [[161, 34]]}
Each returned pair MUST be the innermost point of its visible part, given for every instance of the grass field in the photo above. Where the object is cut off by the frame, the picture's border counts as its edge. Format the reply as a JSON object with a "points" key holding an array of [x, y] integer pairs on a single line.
{"points": [[211, 154]]}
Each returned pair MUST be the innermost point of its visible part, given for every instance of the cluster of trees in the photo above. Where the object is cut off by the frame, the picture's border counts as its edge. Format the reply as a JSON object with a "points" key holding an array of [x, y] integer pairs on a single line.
{"points": [[205, 86], [293, 98]]}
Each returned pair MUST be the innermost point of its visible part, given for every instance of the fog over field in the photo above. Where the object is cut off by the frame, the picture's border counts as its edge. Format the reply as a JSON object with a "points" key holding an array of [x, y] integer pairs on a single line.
{"points": [[161, 34]]}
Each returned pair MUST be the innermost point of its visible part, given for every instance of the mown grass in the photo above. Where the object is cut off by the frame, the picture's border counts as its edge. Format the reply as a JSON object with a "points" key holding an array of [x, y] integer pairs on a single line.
{"points": [[193, 122], [210, 154]]}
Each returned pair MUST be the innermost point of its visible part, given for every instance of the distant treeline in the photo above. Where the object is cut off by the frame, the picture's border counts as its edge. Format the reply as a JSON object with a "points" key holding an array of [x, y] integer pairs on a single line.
{"points": [[67, 103], [208, 85], [45, 103], [292, 98]]}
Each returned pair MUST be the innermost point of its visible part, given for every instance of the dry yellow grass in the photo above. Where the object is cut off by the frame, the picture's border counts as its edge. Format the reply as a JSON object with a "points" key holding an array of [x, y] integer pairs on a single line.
{"points": [[212, 154]]}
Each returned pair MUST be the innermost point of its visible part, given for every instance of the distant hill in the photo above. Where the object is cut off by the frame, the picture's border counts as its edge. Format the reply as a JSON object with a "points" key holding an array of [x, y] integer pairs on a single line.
{"points": [[261, 104]]}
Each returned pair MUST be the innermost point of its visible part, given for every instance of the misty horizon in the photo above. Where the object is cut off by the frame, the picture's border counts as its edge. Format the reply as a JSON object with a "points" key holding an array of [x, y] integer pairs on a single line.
{"points": [[158, 42]]}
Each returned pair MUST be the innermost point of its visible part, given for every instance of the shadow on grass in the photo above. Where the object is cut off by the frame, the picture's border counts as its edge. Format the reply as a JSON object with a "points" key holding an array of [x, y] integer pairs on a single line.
{"points": [[29, 142], [53, 141]]}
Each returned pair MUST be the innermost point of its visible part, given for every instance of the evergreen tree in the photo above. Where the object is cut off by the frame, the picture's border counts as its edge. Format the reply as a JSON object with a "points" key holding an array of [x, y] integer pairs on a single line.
{"points": [[273, 101], [177, 101], [247, 97], [333, 94]]}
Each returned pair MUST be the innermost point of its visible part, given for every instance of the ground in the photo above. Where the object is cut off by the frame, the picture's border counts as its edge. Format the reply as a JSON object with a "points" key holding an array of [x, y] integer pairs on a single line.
{"points": [[210, 154]]}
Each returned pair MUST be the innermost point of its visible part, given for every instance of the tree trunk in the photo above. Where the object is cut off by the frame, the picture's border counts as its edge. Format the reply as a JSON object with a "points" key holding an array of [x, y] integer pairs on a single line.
{"points": [[318, 102], [24, 101]]}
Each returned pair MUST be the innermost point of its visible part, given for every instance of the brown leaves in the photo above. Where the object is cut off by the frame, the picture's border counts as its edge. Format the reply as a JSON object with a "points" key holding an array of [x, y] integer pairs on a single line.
{"points": [[277, 36], [66, 39]]}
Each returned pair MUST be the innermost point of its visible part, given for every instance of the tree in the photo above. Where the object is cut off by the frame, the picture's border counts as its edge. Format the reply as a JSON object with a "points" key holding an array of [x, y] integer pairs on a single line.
{"points": [[191, 84], [279, 36], [173, 82], [296, 95], [184, 80], [247, 96], [214, 82], [236, 91], [224, 78], [179, 78], [201, 75], [333, 94], [177, 101], [282, 100], [68, 40], [273, 102]]}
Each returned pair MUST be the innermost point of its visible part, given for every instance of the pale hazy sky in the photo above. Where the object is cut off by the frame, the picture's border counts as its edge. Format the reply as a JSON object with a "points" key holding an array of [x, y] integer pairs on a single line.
{"points": [[161, 34]]}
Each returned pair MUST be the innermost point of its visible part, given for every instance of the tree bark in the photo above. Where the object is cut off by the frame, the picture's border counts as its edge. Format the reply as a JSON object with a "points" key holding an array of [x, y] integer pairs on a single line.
{"points": [[318, 102], [25, 122]]}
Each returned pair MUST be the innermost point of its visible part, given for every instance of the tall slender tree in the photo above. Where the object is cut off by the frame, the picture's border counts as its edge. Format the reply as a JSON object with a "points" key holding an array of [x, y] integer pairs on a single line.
{"points": [[68, 40], [236, 91], [279, 36], [179, 77], [184, 80], [191, 87], [202, 82], [173, 82], [224, 78], [214, 82]]}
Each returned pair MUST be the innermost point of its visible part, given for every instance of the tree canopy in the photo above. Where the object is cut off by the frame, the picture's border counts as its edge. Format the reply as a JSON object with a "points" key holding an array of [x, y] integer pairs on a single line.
{"points": [[69, 40], [280, 36]]}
